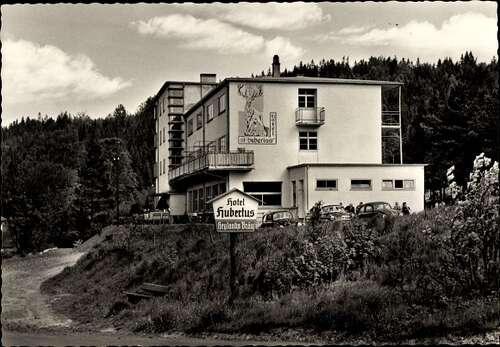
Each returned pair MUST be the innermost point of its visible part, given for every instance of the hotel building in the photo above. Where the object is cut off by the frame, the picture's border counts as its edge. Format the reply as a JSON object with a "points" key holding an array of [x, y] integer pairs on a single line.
{"points": [[289, 141]]}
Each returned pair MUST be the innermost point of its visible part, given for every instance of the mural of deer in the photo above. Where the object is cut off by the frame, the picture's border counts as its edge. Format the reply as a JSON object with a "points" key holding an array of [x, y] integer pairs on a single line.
{"points": [[254, 122]]}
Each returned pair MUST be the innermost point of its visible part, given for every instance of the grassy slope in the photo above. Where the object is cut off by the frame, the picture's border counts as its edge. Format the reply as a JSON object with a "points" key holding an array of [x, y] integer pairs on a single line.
{"points": [[193, 262]]}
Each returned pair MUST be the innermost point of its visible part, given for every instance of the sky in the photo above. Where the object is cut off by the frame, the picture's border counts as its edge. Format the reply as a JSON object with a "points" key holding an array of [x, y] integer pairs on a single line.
{"points": [[89, 58]]}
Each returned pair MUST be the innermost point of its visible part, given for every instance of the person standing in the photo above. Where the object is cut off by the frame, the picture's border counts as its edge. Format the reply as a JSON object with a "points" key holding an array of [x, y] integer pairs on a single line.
{"points": [[359, 207], [405, 209], [397, 207]]}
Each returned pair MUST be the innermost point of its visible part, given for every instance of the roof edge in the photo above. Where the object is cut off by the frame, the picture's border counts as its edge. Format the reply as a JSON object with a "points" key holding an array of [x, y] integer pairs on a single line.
{"points": [[352, 165]]}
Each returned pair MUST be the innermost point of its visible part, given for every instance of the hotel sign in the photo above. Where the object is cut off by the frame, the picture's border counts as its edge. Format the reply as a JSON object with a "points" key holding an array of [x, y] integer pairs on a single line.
{"points": [[235, 212]]}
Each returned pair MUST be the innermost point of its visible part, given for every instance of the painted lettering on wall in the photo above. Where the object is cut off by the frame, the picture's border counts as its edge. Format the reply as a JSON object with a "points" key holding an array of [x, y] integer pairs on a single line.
{"points": [[252, 126]]}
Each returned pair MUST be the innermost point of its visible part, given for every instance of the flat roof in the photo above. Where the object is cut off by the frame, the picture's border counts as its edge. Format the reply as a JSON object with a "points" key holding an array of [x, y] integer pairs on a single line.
{"points": [[303, 79], [349, 165], [299, 79], [165, 85]]}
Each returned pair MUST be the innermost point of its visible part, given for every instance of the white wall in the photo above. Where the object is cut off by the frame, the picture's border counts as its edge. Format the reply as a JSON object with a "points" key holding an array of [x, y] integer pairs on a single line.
{"points": [[414, 198], [351, 133]]}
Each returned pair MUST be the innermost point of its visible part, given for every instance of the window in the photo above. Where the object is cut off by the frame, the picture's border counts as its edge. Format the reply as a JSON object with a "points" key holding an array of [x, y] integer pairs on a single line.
{"points": [[294, 194], [269, 193], [387, 184], [212, 147], [222, 144], [210, 112], [190, 126], [190, 201], [307, 97], [222, 103], [201, 201], [308, 140], [398, 184], [164, 165], [409, 184], [361, 184], [222, 188], [195, 200], [208, 196], [199, 121], [326, 184], [163, 135]]}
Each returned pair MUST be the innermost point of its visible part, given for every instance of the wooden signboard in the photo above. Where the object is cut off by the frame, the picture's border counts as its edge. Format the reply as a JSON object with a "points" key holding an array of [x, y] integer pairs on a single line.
{"points": [[235, 212]]}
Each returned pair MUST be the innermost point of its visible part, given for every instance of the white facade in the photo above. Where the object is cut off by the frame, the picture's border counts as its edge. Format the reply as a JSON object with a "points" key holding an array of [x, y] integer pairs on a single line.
{"points": [[173, 99], [274, 138]]}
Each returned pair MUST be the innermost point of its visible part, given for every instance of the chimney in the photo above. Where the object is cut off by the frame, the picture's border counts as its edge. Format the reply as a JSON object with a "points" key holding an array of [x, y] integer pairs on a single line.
{"points": [[276, 66], [208, 78]]}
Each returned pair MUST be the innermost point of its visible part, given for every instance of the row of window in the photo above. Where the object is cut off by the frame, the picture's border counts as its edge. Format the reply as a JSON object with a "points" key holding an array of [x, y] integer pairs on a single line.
{"points": [[366, 184], [197, 198], [221, 107]]}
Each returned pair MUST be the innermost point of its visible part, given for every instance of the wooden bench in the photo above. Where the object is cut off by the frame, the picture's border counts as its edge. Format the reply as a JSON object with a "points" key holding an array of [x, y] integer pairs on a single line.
{"points": [[146, 291]]}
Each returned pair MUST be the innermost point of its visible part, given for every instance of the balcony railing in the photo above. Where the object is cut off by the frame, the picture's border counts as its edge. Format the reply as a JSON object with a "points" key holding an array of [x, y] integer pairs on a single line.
{"points": [[314, 116], [390, 118], [214, 161]]}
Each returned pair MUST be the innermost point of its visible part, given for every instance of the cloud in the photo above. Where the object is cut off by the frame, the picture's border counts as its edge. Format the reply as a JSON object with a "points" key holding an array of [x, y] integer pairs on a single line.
{"points": [[32, 72], [469, 31], [291, 16], [213, 34], [263, 16], [353, 30], [284, 48], [198, 33]]}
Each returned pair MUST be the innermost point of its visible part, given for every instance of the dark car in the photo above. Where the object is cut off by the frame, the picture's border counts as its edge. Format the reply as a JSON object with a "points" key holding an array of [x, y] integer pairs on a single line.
{"points": [[371, 209], [332, 213], [378, 213], [278, 219]]}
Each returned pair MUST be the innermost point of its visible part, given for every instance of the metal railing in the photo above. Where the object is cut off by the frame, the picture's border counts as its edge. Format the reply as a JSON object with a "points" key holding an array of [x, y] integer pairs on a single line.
{"points": [[390, 118], [214, 161], [310, 116]]}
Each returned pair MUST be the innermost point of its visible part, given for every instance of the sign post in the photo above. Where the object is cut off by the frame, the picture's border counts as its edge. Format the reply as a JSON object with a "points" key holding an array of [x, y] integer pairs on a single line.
{"points": [[234, 212]]}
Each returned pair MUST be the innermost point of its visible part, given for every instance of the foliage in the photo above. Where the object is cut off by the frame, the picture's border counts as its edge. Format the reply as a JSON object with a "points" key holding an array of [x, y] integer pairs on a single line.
{"points": [[59, 180]]}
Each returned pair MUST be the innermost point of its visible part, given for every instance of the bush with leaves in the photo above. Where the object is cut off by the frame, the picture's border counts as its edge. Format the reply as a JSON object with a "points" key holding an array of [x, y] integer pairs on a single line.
{"points": [[474, 239]]}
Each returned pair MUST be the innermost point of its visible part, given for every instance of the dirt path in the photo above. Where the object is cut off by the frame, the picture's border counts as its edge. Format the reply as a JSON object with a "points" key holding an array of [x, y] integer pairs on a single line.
{"points": [[24, 307]]}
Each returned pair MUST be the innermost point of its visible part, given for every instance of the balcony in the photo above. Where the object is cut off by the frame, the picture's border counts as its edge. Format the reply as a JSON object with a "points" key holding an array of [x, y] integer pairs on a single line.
{"points": [[310, 116], [230, 161], [390, 119]]}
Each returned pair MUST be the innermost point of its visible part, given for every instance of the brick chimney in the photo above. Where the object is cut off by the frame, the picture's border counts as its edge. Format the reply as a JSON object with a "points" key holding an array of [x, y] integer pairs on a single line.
{"points": [[208, 78], [276, 66]]}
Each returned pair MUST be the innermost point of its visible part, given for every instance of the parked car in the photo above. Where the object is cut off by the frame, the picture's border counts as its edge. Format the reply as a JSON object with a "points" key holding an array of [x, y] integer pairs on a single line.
{"points": [[379, 214], [332, 213], [278, 219], [376, 208]]}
